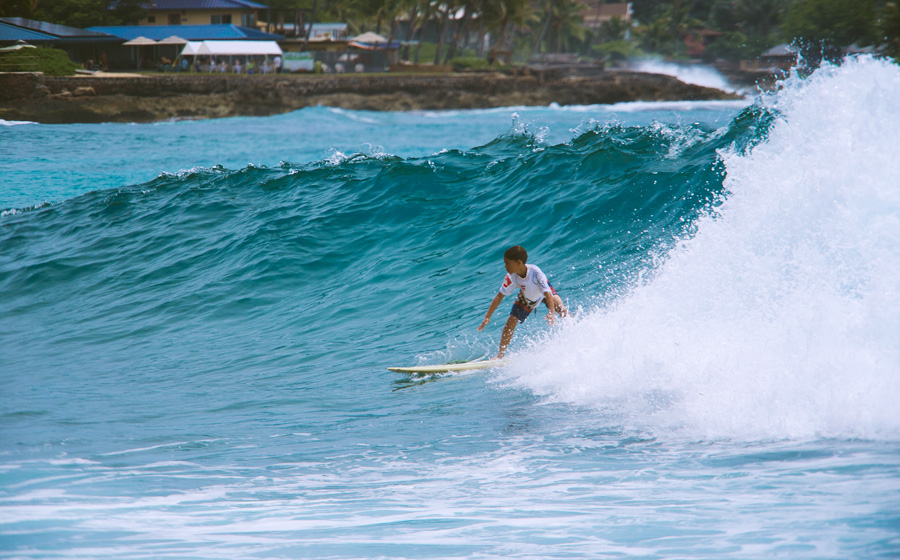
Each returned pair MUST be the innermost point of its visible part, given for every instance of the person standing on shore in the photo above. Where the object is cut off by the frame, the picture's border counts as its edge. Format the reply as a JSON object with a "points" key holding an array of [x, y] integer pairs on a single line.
{"points": [[278, 63]]}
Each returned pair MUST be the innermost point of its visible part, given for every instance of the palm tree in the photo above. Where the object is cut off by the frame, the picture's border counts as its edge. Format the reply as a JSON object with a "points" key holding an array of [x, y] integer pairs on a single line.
{"points": [[566, 24], [758, 17], [500, 15], [445, 23]]}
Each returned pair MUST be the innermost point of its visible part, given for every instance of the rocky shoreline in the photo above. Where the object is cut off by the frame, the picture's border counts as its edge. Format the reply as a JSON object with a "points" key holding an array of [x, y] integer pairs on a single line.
{"points": [[89, 99]]}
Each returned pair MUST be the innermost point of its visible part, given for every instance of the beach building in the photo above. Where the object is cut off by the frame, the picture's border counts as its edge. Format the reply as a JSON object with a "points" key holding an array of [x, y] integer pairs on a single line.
{"points": [[79, 44], [780, 57], [202, 12], [221, 32], [367, 52], [167, 41], [319, 31], [330, 45], [597, 13], [696, 40]]}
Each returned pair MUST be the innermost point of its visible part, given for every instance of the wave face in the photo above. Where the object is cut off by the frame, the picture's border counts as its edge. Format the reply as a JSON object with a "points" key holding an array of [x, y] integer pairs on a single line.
{"points": [[356, 242], [193, 364]]}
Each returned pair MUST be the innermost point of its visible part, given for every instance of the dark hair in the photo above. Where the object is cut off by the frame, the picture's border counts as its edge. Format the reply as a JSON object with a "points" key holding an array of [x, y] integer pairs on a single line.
{"points": [[516, 253]]}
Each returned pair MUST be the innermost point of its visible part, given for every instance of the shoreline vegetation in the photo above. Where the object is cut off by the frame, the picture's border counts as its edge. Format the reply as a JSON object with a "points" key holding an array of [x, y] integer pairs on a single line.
{"points": [[148, 98]]}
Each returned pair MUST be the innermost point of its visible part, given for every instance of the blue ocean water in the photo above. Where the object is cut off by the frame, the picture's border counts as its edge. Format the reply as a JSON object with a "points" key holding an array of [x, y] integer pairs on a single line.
{"points": [[196, 317]]}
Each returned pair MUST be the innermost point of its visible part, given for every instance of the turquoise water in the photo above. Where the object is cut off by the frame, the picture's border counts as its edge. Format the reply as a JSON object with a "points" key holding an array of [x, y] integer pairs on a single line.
{"points": [[195, 319]]}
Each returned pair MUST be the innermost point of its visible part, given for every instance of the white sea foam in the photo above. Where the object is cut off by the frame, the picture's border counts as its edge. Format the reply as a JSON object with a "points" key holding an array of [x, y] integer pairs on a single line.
{"points": [[694, 74], [780, 318], [14, 123], [639, 106]]}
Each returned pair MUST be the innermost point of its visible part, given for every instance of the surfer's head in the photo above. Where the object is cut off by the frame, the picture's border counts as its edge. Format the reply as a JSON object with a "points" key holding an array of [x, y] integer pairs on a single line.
{"points": [[514, 260], [516, 253]]}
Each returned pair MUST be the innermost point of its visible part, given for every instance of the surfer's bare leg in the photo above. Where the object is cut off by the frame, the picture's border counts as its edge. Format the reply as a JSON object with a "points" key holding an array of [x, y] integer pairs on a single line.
{"points": [[507, 334]]}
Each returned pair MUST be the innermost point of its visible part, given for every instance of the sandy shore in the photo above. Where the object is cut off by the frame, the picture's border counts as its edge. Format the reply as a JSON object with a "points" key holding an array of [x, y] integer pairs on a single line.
{"points": [[135, 98]]}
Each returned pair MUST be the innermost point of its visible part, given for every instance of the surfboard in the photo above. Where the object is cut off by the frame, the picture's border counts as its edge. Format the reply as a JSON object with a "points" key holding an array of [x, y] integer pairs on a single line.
{"points": [[444, 368]]}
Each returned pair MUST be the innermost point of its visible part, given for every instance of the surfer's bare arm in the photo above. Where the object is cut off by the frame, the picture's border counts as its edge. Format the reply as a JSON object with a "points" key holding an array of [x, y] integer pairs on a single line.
{"points": [[551, 305], [494, 304]]}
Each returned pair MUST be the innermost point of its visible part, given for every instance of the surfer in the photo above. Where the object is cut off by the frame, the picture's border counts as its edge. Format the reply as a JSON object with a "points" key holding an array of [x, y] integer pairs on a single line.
{"points": [[533, 287]]}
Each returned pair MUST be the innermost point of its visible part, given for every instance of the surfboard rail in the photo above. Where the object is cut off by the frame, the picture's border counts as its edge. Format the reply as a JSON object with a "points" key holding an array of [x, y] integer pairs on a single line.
{"points": [[444, 368]]}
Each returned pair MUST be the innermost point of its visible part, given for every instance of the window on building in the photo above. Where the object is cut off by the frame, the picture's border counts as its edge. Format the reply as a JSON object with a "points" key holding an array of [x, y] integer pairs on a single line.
{"points": [[151, 19], [248, 20], [220, 18], [174, 19]]}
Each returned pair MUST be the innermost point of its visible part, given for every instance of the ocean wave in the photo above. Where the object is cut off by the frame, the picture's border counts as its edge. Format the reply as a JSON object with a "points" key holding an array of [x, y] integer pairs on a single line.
{"points": [[776, 318]]}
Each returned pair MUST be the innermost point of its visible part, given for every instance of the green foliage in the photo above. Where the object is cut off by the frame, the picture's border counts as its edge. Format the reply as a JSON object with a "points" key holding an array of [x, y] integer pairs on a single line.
{"points": [[758, 18], [736, 46], [521, 28], [469, 64], [889, 28], [128, 12], [426, 52], [614, 30], [657, 36], [562, 20], [77, 13], [664, 35], [614, 52], [836, 23], [52, 62], [646, 11], [16, 8]]}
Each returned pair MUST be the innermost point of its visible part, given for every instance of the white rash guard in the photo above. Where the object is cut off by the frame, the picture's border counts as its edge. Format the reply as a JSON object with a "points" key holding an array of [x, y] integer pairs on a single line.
{"points": [[532, 287]]}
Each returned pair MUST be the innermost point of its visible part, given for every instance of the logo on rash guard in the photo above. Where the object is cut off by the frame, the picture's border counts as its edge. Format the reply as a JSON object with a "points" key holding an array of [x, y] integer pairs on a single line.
{"points": [[507, 281]]}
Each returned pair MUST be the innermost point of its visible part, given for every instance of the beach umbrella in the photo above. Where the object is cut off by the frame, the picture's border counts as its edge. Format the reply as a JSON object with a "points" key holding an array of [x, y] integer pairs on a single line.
{"points": [[370, 38], [175, 41], [137, 43], [140, 42]]}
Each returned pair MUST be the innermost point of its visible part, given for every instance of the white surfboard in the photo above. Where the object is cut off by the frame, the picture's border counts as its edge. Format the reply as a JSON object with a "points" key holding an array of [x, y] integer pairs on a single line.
{"points": [[444, 368]]}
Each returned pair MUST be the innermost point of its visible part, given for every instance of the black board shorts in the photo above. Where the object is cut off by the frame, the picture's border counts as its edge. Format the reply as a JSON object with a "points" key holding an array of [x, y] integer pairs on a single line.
{"points": [[522, 308]]}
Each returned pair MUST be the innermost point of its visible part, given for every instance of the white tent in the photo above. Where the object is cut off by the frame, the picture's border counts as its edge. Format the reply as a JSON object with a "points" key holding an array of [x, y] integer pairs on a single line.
{"points": [[239, 48], [190, 49]]}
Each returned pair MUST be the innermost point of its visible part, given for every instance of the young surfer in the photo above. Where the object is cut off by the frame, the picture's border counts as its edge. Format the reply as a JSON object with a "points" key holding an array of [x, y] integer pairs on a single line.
{"points": [[533, 287]]}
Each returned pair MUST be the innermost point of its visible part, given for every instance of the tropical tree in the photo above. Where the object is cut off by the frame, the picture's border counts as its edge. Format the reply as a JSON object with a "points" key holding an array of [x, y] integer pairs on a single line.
{"points": [[614, 30], [664, 34], [502, 15], [128, 12], [758, 17], [76, 13], [562, 25], [833, 23], [18, 8]]}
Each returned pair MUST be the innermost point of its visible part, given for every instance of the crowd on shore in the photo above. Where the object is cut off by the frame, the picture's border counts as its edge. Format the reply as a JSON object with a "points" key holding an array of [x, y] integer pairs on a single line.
{"points": [[231, 65]]}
